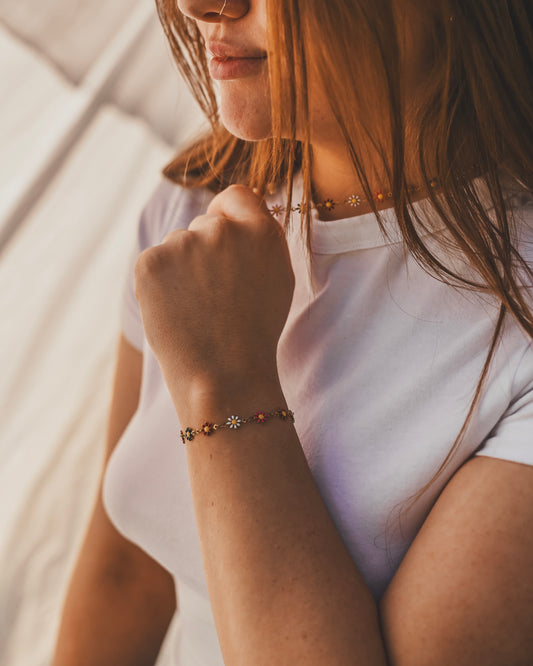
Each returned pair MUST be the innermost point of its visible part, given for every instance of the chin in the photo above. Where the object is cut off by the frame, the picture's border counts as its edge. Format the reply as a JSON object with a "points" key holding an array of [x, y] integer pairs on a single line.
{"points": [[246, 114]]}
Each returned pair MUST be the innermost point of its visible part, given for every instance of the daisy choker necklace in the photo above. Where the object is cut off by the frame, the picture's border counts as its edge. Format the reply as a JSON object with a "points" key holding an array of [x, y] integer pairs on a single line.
{"points": [[352, 200]]}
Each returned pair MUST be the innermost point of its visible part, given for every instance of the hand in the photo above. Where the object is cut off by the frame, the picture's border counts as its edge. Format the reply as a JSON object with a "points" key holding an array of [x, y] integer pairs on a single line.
{"points": [[214, 298]]}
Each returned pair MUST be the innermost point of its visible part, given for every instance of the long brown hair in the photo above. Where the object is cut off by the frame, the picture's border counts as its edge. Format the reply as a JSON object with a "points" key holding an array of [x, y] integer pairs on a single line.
{"points": [[478, 102]]}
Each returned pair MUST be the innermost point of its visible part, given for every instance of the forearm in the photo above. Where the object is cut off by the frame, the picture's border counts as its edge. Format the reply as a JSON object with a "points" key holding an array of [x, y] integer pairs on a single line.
{"points": [[105, 633], [214, 301], [282, 584]]}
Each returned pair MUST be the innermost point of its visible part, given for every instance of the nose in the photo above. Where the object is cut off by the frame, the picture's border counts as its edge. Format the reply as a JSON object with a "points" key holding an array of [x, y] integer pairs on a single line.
{"points": [[211, 11]]}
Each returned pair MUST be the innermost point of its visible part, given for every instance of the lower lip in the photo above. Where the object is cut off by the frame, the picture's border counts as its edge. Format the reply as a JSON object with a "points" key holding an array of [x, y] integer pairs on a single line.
{"points": [[223, 69]]}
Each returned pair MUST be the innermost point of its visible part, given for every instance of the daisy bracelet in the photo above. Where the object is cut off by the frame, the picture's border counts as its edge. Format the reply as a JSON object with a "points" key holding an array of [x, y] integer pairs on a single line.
{"points": [[235, 422]]}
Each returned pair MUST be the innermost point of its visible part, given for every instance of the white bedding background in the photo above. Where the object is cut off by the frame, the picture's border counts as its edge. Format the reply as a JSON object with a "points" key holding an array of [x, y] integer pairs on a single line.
{"points": [[91, 109]]}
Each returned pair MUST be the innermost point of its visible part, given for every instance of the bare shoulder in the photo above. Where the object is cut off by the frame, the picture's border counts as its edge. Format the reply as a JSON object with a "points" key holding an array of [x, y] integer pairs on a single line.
{"points": [[464, 592]]}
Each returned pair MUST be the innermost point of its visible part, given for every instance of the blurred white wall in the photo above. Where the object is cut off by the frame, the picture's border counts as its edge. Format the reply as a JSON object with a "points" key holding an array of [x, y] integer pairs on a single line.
{"points": [[78, 36], [92, 108]]}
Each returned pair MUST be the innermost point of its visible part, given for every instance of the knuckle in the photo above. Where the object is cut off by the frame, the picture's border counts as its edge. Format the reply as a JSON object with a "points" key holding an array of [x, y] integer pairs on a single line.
{"points": [[150, 262], [237, 188], [239, 194], [197, 224], [245, 196], [172, 236], [221, 222], [221, 225]]}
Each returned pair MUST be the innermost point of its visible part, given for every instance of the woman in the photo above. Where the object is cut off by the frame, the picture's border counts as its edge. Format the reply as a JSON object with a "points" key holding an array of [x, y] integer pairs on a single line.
{"points": [[391, 522]]}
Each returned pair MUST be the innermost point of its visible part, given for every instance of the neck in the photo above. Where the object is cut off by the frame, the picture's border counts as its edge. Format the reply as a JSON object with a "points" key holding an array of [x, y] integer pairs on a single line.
{"points": [[333, 177]]}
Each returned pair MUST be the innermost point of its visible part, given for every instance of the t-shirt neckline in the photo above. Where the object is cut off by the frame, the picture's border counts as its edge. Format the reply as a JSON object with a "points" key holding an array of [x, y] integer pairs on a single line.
{"points": [[353, 233]]}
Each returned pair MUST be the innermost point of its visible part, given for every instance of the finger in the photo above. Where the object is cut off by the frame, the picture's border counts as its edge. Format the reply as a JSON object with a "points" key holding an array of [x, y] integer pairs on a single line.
{"points": [[173, 236], [239, 203], [201, 222], [197, 224]]}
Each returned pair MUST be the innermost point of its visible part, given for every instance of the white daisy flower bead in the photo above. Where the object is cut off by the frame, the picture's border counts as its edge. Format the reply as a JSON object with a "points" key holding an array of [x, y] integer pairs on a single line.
{"points": [[234, 422]]}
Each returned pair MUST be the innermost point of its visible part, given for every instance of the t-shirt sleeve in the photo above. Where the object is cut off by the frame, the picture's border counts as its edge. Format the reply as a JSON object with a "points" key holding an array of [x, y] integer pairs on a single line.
{"points": [[512, 438]]}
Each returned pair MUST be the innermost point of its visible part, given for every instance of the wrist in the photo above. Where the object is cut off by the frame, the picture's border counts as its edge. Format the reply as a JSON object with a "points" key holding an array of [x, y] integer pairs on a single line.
{"points": [[215, 398], [235, 422]]}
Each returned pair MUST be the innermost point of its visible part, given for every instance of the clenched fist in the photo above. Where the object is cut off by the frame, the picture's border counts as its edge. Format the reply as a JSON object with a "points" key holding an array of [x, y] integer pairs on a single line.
{"points": [[214, 298]]}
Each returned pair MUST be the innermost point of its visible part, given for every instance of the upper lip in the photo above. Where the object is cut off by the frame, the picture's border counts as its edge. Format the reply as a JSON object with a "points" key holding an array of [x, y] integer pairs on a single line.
{"points": [[225, 50]]}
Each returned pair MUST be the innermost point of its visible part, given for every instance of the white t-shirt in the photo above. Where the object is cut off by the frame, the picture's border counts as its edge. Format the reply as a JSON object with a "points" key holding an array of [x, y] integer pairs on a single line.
{"points": [[379, 362]]}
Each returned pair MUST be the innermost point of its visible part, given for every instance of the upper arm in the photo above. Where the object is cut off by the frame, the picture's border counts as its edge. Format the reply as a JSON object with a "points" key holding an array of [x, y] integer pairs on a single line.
{"points": [[126, 391], [114, 560], [464, 593], [102, 538], [119, 601]]}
